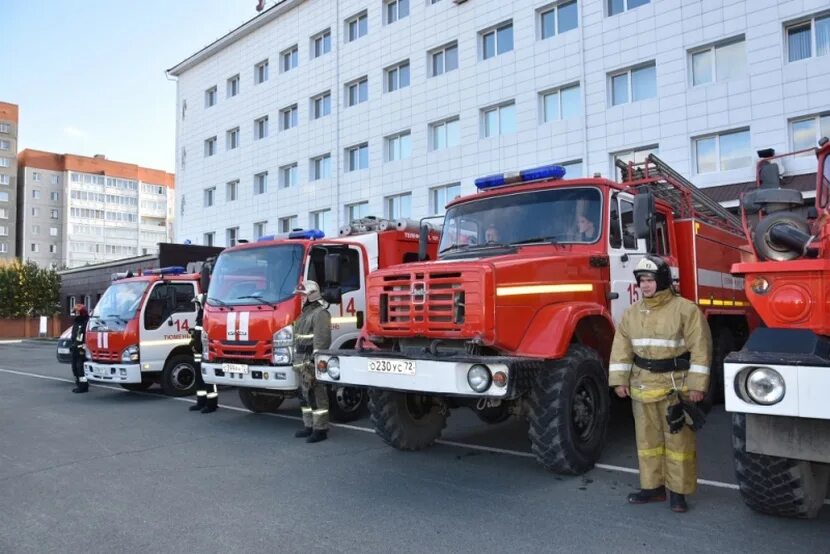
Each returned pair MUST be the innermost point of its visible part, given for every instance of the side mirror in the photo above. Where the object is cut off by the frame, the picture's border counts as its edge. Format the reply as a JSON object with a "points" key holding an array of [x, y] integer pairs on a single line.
{"points": [[204, 277], [360, 321], [643, 214], [423, 241]]}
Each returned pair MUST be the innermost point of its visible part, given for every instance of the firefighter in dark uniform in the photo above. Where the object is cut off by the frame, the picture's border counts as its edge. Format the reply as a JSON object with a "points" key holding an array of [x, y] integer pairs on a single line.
{"points": [[312, 332], [660, 358], [207, 397], [77, 347]]}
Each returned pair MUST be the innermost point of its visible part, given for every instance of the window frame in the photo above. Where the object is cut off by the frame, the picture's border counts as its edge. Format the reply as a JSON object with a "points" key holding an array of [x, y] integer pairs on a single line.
{"points": [[357, 150], [626, 7], [390, 6], [317, 165], [719, 161], [210, 147], [442, 124], [394, 146], [629, 73], [712, 49], [232, 86], [289, 176], [286, 223], [395, 73], [362, 16], [324, 98], [260, 183], [261, 125], [802, 22], [349, 209], [498, 109], [321, 36], [231, 231], [494, 30], [261, 71], [232, 139], [543, 95], [442, 51], [232, 190], [290, 58], [554, 8], [434, 200], [356, 84], [289, 117], [211, 96]]}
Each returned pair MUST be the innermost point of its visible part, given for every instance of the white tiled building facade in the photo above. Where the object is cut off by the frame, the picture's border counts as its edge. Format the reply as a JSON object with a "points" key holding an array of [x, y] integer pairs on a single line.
{"points": [[318, 111]]}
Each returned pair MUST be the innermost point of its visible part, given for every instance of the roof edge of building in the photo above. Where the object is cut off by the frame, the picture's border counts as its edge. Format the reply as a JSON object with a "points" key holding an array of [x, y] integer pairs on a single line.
{"points": [[40, 159]]}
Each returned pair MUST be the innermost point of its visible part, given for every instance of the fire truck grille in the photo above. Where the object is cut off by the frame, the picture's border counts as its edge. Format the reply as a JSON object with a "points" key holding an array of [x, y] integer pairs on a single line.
{"points": [[251, 352], [104, 356], [428, 301]]}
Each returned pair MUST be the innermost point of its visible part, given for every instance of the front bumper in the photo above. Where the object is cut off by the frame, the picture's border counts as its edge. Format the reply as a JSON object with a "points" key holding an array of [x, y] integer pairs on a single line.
{"points": [[257, 377], [112, 373], [806, 389], [435, 375], [63, 352]]}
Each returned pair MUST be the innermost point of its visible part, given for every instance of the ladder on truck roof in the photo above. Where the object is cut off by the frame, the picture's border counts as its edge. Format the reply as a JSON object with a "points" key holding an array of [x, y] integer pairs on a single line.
{"points": [[686, 200]]}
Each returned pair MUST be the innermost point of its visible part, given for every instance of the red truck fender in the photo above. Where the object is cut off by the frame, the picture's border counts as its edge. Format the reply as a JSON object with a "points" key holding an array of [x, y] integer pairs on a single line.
{"points": [[554, 327]]}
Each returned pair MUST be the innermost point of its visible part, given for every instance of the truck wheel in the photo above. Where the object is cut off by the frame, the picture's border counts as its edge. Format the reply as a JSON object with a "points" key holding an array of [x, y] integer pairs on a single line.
{"points": [[493, 414], [407, 421], [568, 408], [777, 486], [723, 343], [260, 402], [179, 376], [346, 403]]}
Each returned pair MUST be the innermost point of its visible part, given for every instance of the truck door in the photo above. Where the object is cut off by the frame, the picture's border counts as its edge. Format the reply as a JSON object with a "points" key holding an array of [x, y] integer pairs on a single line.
{"points": [[624, 252], [352, 286], [166, 319]]}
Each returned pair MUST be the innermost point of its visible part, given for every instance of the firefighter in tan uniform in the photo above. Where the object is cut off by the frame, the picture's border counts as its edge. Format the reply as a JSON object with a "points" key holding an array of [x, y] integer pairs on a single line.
{"points": [[662, 348], [312, 332]]}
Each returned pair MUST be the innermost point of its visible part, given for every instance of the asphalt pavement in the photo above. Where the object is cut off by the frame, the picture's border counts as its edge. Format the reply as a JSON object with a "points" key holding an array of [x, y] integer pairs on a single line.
{"points": [[120, 471]]}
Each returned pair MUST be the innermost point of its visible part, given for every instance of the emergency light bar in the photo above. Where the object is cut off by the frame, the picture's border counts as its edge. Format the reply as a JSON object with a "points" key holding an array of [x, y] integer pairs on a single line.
{"points": [[513, 177], [172, 270], [310, 234]]}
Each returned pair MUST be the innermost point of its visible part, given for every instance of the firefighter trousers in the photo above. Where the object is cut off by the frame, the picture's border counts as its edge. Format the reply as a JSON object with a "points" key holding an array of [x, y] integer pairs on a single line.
{"points": [[314, 403], [665, 458]]}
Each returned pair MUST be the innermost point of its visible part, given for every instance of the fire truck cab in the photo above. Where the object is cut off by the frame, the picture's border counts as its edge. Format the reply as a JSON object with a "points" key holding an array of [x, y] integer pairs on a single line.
{"points": [[251, 307], [139, 332], [517, 314]]}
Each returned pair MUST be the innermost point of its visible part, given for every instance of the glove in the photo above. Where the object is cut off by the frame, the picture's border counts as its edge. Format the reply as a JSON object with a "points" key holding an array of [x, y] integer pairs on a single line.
{"points": [[684, 413], [675, 417]]}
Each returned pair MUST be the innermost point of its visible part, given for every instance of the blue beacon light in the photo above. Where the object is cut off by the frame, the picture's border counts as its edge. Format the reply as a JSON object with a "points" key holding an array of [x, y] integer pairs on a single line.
{"points": [[526, 175]]}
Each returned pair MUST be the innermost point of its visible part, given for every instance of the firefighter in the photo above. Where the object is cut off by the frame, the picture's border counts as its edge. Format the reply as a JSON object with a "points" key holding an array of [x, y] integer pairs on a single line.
{"points": [[207, 397], [662, 349], [77, 347], [312, 332]]}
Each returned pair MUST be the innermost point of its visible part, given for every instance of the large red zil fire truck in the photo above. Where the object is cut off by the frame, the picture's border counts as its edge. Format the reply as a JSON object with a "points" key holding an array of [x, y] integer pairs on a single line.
{"points": [[777, 386], [251, 306], [516, 316], [138, 333]]}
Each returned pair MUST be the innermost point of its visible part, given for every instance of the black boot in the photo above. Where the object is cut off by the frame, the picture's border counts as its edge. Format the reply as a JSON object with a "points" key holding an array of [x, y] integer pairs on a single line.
{"points": [[678, 502], [304, 433], [318, 435], [80, 386], [211, 404], [644, 496], [201, 400]]}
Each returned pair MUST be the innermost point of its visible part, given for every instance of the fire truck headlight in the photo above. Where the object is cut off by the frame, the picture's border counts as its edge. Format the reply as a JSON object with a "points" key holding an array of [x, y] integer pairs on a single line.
{"points": [[130, 354], [765, 386], [479, 378], [281, 356], [284, 337], [760, 285], [333, 368]]}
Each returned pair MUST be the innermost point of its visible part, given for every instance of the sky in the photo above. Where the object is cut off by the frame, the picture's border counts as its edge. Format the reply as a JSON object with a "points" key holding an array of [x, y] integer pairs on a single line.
{"points": [[89, 75]]}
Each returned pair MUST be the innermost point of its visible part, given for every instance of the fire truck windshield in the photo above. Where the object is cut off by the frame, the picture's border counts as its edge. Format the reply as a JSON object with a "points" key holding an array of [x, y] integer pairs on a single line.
{"points": [[255, 275], [120, 301], [561, 215]]}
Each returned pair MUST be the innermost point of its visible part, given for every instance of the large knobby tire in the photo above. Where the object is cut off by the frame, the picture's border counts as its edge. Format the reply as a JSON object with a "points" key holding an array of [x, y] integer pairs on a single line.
{"points": [[723, 342], [179, 376], [407, 421], [346, 403], [568, 409], [260, 402], [777, 486]]}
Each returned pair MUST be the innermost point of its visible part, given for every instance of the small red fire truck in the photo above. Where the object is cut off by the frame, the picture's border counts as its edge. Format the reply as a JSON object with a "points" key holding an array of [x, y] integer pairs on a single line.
{"points": [[777, 386], [516, 316], [251, 306], [138, 332]]}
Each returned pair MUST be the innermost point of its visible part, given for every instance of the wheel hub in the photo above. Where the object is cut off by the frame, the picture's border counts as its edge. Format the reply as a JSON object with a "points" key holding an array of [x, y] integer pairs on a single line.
{"points": [[584, 410], [182, 376]]}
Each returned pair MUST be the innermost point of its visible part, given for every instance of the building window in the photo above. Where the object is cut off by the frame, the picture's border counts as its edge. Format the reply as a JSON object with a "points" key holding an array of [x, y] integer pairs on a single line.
{"points": [[261, 128], [321, 105], [261, 72], [499, 120], [290, 58], [805, 132], [4, 162], [4, 213], [809, 38], [5, 144], [398, 206], [53, 248], [443, 59], [321, 43], [4, 231], [288, 176], [444, 134], [289, 117], [35, 247], [358, 157], [53, 214], [231, 190], [619, 6], [261, 182], [35, 212], [558, 19], [287, 224], [53, 231], [4, 248], [232, 139], [718, 62], [54, 196], [35, 229], [561, 103], [209, 196], [723, 151], [5, 128], [231, 236], [637, 155], [634, 84], [398, 146], [396, 9], [397, 76], [210, 147], [5, 180], [36, 194], [4, 196], [56, 179], [35, 176], [233, 86], [357, 91], [210, 97], [208, 239], [321, 167], [439, 197], [356, 211], [573, 169], [357, 26], [322, 220], [497, 40], [260, 229]]}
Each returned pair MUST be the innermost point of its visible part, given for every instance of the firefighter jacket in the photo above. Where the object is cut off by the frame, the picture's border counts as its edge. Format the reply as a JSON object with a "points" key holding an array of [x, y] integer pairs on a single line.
{"points": [[78, 332], [312, 332], [196, 332], [661, 327]]}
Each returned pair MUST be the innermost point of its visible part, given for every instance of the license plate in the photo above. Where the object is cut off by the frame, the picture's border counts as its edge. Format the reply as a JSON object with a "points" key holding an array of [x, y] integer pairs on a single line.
{"points": [[397, 367], [235, 368], [63, 351]]}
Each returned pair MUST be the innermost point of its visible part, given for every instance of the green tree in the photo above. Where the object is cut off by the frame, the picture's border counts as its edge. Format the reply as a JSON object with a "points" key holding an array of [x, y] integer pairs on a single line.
{"points": [[26, 289]]}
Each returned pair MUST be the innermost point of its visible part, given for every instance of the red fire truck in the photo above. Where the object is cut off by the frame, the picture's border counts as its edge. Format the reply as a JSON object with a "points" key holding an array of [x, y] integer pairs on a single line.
{"points": [[251, 306], [138, 332], [777, 386], [516, 316]]}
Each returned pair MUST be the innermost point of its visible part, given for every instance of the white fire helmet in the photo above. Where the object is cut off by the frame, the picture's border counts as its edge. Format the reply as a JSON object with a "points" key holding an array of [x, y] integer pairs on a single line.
{"points": [[310, 290]]}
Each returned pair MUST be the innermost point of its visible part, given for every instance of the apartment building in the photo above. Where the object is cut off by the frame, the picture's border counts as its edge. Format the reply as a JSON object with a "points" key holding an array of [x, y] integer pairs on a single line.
{"points": [[317, 112], [8, 179]]}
